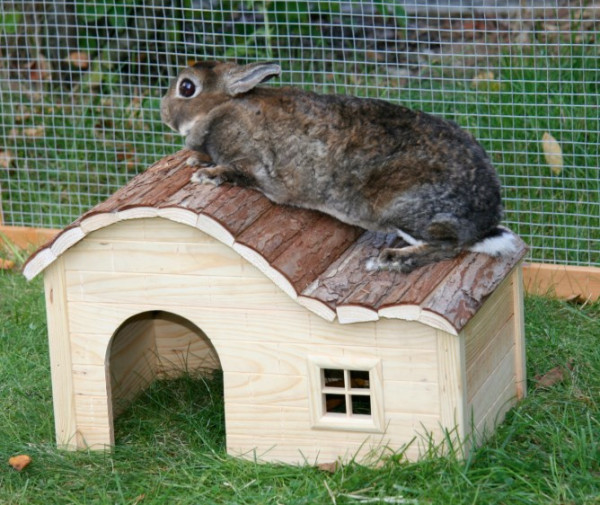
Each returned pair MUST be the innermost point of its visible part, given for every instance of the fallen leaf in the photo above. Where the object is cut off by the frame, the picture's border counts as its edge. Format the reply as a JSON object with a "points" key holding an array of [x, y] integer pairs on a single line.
{"points": [[6, 158], [39, 69], [553, 153], [79, 59], [19, 462], [6, 264], [484, 76], [550, 378], [329, 467], [486, 81], [37, 131]]}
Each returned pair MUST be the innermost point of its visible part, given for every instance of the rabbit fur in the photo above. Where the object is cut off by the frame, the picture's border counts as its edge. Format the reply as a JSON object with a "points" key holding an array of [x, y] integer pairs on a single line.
{"points": [[367, 162]]}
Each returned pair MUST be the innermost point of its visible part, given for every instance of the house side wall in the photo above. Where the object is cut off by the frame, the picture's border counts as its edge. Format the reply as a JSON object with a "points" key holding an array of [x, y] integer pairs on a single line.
{"points": [[262, 338], [65, 421], [493, 356]]}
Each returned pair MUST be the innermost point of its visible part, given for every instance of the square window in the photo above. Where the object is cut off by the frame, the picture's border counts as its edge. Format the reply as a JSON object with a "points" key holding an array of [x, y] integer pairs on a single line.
{"points": [[346, 394]]}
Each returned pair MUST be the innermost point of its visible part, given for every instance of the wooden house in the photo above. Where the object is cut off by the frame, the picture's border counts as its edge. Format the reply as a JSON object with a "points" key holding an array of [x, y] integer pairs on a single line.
{"points": [[320, 359]]}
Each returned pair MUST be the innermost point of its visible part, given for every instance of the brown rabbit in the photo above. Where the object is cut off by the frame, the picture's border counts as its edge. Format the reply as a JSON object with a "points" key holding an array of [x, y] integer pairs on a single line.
{"points": [[367, 162]]}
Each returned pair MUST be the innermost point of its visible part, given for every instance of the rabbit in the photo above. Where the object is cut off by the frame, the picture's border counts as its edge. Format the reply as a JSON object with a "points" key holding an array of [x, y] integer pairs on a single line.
{"points": [[366, 162]]}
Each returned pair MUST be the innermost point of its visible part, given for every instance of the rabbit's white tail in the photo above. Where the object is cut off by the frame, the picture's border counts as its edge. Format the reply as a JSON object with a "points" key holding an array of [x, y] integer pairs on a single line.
{"points": [[500, 242]]}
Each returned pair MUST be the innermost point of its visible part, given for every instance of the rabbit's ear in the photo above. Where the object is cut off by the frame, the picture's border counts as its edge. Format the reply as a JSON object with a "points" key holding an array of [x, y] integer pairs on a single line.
{"points": [[242, 79]]}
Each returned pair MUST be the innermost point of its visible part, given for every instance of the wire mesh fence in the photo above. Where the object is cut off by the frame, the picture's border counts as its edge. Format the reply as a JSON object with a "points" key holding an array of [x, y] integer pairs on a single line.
{"points": [[81, 81]]}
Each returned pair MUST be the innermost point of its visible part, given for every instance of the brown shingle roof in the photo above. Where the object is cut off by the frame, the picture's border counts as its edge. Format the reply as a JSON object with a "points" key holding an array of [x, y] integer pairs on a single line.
{"points": [[314, 258]]}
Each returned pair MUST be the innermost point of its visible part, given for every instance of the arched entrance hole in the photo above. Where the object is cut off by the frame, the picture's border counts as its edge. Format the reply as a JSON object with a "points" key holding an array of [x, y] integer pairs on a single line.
{"points": [[155, 345]]}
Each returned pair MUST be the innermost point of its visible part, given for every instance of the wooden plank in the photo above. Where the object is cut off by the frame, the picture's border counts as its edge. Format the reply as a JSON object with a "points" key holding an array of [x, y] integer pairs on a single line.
{"points": [[93, 222], [502, 377], [493, 315], [267, 389], [273, 231], [24, 237], [104, 318], [481, 365], [165, 179], [89, 380], [93, 410], [57, 315], [89, 348], [173, 290], [193, 197], [411, 397], [452, 383], [262, 265], [312, 251], [405, 335], [238, 209], [203, 259], [92, 436], [38, 262], [347, 274], [268, 358], [562, 281], [487, 423], [519, 332], [418, 284], [348, 314], [132, 360]]}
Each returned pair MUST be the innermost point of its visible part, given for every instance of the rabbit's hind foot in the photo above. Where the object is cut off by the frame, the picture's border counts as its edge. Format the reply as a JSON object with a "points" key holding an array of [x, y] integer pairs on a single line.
{"points": [[406, 259], [208, 174]]}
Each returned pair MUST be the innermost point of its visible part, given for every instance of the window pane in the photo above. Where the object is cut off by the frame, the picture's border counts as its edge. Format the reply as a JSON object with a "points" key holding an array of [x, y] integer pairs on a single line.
{"points": [[335, 403], [333, 378], [361, 405], [359, 379]]}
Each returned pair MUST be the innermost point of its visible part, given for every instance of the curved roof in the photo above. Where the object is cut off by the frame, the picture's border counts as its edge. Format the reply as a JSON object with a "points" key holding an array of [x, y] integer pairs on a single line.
{"points": [[315, 259]]}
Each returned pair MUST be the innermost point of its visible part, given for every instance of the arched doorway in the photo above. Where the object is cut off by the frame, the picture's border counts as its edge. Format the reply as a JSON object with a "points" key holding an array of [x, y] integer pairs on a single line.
{"points": [[155, 345]]}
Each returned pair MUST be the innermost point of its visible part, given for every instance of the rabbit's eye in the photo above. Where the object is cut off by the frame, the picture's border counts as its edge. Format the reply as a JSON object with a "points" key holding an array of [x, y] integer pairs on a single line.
{"points": [[187, 88]]}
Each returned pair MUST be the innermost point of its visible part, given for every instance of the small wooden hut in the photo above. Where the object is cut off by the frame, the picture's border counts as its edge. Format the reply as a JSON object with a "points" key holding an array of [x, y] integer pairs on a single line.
{"points": [[320, 359]]}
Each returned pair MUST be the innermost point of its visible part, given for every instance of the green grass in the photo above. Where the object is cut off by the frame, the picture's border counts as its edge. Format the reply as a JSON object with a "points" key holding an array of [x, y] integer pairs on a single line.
{"points": [[171, 447]]}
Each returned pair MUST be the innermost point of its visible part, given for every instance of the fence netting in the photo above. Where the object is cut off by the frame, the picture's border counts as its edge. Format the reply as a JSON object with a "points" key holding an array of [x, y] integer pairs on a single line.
{"points": [[81, 81]]}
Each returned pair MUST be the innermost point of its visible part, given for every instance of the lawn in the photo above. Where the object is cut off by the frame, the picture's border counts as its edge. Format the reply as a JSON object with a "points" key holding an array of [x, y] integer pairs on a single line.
{"points": [[170, 442]]}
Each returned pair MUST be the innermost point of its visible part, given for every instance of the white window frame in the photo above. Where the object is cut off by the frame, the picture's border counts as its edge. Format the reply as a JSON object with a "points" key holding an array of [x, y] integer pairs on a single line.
{"points": [[321, 419]]}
